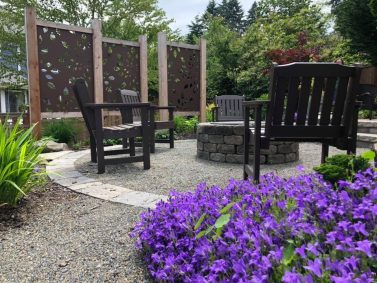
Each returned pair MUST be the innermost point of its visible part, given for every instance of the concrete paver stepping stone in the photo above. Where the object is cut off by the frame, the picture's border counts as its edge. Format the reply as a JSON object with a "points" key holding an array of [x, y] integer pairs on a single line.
{"points": [[61, 170]]}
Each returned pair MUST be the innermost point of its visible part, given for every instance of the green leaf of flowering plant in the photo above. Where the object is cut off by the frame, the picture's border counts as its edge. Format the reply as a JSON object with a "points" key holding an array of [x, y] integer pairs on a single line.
{"points": [[222, 220], [200, 221], [288, 254], [226, 208]]}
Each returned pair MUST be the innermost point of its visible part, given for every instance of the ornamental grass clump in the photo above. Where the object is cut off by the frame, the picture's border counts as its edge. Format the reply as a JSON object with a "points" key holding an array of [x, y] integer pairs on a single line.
{"points": [[19, 160], [295, 230]]}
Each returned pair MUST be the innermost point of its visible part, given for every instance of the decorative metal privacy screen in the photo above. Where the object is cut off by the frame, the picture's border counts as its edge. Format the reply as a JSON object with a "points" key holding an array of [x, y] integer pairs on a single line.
{"points": [[121, 69], [63, 56], [184, 78]]}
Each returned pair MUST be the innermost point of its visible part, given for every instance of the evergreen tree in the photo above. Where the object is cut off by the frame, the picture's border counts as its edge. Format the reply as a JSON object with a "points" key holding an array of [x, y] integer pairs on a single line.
{"points": [[252, 14], [356, 20], [232, 13], [196, 29], [200, 24], [212, 8]]}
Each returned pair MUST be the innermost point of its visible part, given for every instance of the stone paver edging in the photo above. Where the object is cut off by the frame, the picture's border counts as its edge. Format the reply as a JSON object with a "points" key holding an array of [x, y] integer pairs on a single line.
{"points": [[61, 170]]}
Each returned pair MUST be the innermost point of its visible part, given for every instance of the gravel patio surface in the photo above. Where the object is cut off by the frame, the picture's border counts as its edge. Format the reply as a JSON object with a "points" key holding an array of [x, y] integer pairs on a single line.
{"points": [[57, 235], [181, 170], [60, 236]]}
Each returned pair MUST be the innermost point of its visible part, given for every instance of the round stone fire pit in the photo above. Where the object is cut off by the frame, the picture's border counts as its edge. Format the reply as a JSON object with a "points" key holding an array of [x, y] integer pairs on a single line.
{"points": [[224, 142]]}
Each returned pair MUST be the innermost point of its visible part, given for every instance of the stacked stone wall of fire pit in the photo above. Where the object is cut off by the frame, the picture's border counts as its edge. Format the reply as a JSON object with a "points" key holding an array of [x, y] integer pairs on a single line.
{"points": [[224, 142]]}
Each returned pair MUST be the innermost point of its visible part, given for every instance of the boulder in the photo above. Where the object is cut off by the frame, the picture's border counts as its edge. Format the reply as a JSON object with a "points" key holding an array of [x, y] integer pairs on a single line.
{"points": [[52, 146]]}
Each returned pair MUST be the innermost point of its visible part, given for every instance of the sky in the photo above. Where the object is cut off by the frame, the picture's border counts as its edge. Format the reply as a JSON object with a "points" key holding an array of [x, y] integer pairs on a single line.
{"points": [[183, 12]]}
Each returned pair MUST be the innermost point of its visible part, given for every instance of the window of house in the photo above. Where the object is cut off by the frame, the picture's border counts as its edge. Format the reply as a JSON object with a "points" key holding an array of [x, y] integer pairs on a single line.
{"points": [[13, 100]]}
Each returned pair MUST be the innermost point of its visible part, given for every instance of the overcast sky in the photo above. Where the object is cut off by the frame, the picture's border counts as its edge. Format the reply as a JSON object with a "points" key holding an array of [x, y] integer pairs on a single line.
{"points": [[184, 11]]}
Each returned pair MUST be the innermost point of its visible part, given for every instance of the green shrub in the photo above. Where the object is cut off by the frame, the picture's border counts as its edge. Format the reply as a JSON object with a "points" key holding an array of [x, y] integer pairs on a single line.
{"points": [[162, 134], [19, 160], [185, 126], [209, 112], [110, 142], [367, 114], [61, 131], [342, 167]]}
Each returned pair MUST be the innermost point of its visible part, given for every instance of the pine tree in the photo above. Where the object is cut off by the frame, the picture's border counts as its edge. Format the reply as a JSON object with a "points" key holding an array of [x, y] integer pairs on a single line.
{"points": [[232, 13], [252, 15], [212, 8], [200, 24], [357, 20], [196, 29]]}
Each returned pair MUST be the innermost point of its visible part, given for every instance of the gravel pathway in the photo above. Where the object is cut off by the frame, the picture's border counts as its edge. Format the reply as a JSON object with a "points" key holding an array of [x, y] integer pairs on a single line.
{"points": [[179, 169], [57, 235], [60, 236]]}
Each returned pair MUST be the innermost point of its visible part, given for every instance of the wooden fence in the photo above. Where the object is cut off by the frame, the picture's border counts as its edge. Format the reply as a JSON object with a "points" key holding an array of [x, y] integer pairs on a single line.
{"points": [[182, 77], [58, 54]]}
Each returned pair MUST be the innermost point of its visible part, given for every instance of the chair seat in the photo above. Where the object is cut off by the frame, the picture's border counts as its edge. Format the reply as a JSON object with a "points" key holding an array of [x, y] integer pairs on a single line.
{"points": [[123, 127]]}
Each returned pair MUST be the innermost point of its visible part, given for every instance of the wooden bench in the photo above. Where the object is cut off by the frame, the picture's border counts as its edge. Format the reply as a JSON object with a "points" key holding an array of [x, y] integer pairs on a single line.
{"points": [[312, 102], [228, 108]]}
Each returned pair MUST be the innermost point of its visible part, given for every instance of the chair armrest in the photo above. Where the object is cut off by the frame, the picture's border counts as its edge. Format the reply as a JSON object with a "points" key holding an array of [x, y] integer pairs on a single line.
{"points": [[164, 107], [117, 105], [255, 103]]}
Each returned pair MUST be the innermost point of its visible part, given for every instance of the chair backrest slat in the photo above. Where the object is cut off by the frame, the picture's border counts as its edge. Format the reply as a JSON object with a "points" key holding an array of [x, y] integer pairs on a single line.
{"points": [[230, 107], [293, 90], [315, 100], [328, 99], [311, 94], [340, 98], [82, 96], [278, 106], [129, 97], [303, 100]]}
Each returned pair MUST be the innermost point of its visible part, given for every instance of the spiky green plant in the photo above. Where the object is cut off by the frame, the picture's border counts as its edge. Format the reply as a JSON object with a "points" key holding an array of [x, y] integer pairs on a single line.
{"points": [[19, 160]]}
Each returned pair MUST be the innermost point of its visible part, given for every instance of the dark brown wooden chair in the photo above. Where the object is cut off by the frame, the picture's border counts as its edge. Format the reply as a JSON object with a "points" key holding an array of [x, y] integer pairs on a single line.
{"points": [[228, 108], [130, 96], [313, 102], [92, 113]]}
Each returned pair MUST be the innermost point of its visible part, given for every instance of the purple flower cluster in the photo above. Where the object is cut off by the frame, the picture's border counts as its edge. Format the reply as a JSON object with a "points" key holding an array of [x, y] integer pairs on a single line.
{"points": [[295, 230]]}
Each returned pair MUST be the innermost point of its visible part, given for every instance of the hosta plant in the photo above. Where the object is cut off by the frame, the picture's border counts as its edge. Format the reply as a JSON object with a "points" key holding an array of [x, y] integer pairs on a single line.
{"points": [[19, 161], [295, 230]]}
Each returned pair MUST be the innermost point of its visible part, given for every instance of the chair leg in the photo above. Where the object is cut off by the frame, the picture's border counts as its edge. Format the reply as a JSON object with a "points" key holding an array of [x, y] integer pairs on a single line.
{"points": [[351, 148], [171, 138], [256, 162], [246, 142], [93, 150], [132, 147], [146, 151], [125, 143], [325, 153], [100, 156], [153, 142]]}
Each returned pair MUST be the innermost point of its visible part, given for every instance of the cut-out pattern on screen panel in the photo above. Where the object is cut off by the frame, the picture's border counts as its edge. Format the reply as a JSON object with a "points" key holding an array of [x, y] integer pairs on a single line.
{"points": [[64, 56], [184, 78], [121, 70]]}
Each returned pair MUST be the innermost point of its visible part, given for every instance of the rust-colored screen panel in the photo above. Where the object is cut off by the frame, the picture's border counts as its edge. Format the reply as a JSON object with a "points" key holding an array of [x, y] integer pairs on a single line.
{"points": [[184, 78], [121, 70], [64, 56]]}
